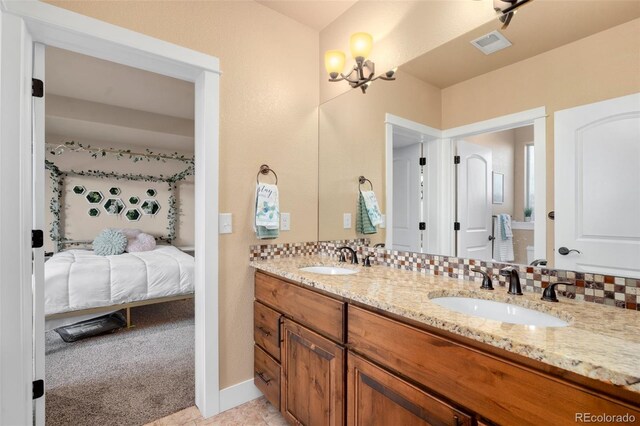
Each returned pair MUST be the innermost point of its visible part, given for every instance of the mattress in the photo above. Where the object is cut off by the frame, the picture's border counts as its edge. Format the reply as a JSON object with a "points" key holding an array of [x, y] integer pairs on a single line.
{"points": [[80, 279]]}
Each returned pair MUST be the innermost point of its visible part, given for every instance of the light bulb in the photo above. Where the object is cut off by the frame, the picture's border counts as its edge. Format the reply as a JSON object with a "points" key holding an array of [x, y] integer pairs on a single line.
{"points": [[334, 62], [361, 44]]}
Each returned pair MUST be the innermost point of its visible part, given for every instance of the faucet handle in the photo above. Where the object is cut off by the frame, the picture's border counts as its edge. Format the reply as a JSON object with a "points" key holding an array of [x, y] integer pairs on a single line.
{"points": [[367, 262], [486, 280], [507, 271], [549, 293]]}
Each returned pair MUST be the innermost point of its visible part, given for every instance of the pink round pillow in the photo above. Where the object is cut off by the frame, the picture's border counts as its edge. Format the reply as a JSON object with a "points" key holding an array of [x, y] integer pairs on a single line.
{"points": [[141, 242]]}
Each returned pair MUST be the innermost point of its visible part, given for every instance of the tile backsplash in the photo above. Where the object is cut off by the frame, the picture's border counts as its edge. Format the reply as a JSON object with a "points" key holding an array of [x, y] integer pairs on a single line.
{"points": [[604, 289]]}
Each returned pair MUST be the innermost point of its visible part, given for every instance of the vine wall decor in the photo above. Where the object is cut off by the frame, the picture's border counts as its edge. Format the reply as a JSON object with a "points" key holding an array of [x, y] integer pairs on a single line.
{"points": [[58, 177]]}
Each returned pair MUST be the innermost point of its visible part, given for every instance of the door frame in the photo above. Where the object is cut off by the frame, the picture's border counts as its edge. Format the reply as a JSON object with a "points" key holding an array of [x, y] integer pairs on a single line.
{"points": [[21, 25], [536, 117], [389, 123]]}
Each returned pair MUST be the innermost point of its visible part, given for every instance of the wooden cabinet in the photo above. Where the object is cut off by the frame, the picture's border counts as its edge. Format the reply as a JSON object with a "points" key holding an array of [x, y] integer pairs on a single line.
{"points": [[376, 397], [400, 374], [299, 335], [495, 388], [313, 377]]}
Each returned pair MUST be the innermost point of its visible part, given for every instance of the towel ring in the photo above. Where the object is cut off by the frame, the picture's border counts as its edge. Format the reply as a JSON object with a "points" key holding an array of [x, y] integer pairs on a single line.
{"points": [[265, 169], [363, 179]]}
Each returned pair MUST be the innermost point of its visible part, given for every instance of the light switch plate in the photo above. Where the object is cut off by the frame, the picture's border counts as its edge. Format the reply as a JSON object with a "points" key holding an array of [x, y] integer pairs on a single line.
{"points": [[346, 221], [285, 221], [225, 223], [384, 221]]}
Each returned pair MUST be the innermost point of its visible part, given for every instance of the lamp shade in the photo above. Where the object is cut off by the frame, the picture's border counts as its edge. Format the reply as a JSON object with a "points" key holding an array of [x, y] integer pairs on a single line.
{"points": [[361, 44], [334, 61]]}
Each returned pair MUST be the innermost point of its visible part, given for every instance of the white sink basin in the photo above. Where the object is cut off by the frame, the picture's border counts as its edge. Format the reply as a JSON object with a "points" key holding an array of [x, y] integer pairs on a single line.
{"points": [[499, 311], [329, 270]]}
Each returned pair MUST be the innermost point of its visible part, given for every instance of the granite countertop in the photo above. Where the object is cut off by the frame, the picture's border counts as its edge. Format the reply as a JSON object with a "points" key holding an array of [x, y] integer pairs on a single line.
{"points": [[600, 342]]}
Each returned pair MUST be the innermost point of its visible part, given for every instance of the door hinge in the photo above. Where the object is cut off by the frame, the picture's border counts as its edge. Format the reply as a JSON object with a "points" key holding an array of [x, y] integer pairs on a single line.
{"points": [[423, 161], [38, 389], [422, 226], [456, 226], [37, 88], [37, 238], [456, 159]]}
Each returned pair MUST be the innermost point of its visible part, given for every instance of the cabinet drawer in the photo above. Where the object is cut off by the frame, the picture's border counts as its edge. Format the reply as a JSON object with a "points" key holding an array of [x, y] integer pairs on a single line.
{"points": [[266, 329], [266, 376], [314, 310], [498, 390], [378, 397]]}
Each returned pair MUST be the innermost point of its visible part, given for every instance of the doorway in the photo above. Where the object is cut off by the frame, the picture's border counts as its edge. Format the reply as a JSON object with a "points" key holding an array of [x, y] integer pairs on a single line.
{"points": [[496, 195], [533, 124], [24, 24]]}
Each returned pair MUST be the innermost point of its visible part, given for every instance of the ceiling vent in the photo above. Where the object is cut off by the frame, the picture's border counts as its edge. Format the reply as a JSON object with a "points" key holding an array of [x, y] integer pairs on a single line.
{"points": [[491, 43]]}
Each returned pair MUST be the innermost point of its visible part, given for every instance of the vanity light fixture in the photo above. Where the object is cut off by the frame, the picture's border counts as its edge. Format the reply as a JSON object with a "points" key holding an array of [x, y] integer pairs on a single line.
{"points": [[362, 73], [507, 9]]}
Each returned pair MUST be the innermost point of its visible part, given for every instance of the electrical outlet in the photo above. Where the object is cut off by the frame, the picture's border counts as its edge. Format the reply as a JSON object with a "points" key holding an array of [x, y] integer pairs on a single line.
{"points": [[225, 223], [384, 221], [346, 221], [285, 221]]}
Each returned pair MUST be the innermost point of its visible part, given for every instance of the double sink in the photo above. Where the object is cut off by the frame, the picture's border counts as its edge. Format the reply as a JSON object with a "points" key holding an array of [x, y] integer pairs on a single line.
{"points": [[487, 309]]}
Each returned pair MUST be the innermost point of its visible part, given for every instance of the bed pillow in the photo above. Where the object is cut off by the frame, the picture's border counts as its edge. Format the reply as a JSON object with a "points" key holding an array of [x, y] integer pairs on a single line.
{"points": [[131, 233], [141, 242], [110, 242]]}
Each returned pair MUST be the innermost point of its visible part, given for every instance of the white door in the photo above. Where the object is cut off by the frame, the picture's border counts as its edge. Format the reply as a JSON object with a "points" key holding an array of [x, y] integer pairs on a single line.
{"points": [[407, 204], [38, 150], [474, 201], [597, 187]]}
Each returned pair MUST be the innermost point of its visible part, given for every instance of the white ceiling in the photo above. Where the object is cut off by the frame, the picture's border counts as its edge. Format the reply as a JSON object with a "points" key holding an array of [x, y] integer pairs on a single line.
{"points": [[112, 105], [316, 14]]}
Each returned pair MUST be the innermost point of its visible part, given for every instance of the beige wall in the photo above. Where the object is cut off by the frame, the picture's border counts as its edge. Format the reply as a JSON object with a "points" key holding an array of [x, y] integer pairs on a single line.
{"points": [[603, 66], [76, 224], [352, 131], [502, 145], [269, 99], [401, 30]]}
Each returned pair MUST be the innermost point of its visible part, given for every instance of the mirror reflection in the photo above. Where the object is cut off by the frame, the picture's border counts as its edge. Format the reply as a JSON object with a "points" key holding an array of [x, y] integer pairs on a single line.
{"points": [[470, 152]]}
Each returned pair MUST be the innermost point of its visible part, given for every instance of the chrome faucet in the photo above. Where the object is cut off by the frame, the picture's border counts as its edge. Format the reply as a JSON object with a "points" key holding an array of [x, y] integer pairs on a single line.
{"points": [[514, 280], [354, 255]]}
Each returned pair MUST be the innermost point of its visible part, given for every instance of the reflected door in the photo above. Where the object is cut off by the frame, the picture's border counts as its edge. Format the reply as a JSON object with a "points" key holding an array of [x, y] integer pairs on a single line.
{"points": [[474, 201], [597, 187], [407, 204]]}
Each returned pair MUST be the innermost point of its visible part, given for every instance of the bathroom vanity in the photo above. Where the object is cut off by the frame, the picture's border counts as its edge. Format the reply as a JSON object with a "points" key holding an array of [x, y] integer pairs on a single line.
{"points": [[372, 348]]}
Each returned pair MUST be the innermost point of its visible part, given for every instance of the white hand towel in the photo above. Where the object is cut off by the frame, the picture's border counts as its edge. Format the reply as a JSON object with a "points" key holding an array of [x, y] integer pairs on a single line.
{"points": [[373, 211], [503, 248], [505, 224], [267, 206]]}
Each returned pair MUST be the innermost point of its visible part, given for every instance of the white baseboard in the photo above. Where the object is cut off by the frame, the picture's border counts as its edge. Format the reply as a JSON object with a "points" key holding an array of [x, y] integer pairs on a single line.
{"points": [[238, 394]]}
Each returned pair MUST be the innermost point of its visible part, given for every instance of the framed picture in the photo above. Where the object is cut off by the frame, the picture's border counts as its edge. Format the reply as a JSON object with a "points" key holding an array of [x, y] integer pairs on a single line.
{"points": [[498, 188]]}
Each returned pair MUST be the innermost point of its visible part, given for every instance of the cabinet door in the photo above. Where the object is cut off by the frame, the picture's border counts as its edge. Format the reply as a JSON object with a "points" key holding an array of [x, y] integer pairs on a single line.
{"points": [[313, 377], [376, 397]]}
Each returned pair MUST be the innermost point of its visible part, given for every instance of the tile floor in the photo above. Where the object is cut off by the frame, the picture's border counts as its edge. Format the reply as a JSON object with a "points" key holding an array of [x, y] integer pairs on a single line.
{"points": [[254, 413]]}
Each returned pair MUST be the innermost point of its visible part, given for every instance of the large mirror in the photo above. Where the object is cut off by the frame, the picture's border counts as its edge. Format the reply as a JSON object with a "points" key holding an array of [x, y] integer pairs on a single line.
{"points": [[531, 152]]}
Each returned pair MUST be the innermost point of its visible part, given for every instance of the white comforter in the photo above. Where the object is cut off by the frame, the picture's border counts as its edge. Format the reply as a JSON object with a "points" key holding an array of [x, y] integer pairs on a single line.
{"points": [[79, 279]]}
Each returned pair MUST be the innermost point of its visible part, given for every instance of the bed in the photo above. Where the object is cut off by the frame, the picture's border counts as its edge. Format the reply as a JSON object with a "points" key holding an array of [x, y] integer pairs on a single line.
{"points": [[80, 284]]}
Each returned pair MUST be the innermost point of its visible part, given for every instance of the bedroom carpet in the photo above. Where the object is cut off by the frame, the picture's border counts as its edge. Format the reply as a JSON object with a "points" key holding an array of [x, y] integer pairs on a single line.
{"points": [[130, 377]]}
